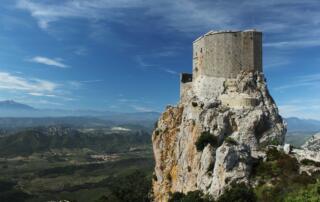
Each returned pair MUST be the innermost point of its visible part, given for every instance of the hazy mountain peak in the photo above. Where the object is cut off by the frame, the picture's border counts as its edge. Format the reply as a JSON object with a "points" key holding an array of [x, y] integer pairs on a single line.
{"points": [[13, 105]]}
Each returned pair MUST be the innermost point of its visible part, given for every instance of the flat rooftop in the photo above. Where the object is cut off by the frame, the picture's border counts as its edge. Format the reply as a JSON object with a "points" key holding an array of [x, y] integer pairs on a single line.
{"points": [[212, 32]]}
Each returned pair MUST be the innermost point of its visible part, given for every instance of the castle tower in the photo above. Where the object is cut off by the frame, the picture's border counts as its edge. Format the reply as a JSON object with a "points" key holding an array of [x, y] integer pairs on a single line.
{"points": [[227, 53], [227, 100], [220, 56]]}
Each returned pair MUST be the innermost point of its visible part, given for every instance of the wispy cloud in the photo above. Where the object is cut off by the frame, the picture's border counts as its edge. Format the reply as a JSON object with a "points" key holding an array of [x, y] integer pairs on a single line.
{"points": [[78, 84], [125, 100], [194, 17], [81, 51], [142, 64], [34, 88], [37, 94], [142, 108], [294, 44], [43, 95], [13, 82], [302, 81], [40, 102], [171, 71], [308, 108], [48, 61]]}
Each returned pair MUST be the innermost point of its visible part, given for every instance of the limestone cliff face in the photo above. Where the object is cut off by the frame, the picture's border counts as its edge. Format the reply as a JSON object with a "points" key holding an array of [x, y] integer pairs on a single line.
{"points": [[313, 143], [240, 115], [309, 150]]}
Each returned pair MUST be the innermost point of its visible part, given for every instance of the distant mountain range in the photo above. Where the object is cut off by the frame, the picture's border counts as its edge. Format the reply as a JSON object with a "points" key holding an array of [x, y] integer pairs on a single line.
{"points": [[9, 105], [11, 109], [302, 125], [300, 130], [14, 115]]}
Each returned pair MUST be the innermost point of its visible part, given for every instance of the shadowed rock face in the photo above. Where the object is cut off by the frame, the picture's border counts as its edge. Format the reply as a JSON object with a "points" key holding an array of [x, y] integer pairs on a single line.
{"points": [[237, 113]]}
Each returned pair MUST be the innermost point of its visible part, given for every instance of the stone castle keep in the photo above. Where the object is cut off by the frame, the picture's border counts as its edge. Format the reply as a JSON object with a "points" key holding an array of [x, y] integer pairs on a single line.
{"points": [[225, 99], [226, 53], [223, 54]]}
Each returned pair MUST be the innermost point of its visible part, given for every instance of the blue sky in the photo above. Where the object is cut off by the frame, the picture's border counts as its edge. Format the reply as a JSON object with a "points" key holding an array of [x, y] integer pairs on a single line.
{"points": [[125, 55]]}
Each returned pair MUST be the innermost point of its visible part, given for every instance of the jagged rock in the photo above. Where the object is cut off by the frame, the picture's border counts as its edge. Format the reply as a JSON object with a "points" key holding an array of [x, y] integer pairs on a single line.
{"points": [[233, 164], [301, 154], [287, 148], [240, 117], [313, 143]]}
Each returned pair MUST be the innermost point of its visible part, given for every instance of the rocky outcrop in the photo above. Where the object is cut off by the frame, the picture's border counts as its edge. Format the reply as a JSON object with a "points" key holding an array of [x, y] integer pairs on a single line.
{"points": [[313, 143], [309, 150], [237, 122]]}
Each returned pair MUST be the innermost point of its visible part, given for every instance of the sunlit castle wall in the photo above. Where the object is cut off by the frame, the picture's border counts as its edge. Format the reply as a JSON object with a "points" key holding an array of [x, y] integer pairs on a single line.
{"points": [[222, 55], [226, 53]]}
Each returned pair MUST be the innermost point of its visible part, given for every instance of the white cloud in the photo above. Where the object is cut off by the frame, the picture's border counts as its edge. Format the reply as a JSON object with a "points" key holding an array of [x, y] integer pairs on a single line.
{"points": [[306, 111], [292, 44], [171, 71], [37, 94], [12, 82], [142, 63], [141, 108], [48, 61], [302, 81], [299, 18], [38, 102], [125, 100], [81, 51], [306, 107]]}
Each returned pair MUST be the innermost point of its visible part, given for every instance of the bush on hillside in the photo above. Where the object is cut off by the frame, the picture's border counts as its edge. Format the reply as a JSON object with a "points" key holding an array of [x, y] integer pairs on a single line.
{"points": [[192, 196], [204, 139], [238, 193]]}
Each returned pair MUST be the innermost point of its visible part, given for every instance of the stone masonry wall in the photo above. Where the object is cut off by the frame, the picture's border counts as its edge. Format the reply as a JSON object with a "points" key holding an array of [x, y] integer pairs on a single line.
{"points": [[225, 54]]}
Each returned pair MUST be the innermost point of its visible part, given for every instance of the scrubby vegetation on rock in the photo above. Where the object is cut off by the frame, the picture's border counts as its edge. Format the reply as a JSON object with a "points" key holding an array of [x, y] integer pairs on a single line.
{"points": [[231, 141], [309, 162], [133, 186], [278, 177], [238, 193], [204, 139], [192, 196], [310, 193]]}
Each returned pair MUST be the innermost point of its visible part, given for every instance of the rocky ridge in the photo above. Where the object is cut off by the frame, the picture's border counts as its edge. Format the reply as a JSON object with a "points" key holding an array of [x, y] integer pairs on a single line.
{"points": [[208, 142], [313, 143]]}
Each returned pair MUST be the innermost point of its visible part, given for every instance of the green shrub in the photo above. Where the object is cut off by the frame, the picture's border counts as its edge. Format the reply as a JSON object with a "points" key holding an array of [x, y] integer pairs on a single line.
{"points": [[274, 142], [273, 154], [308, 162], [204, 139], [192, 196], [177, 196], [231, 141], [310, 193], [303, 179], [267, 193], [238, 193], [279, 176], [278, 164], [132, 186]]}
